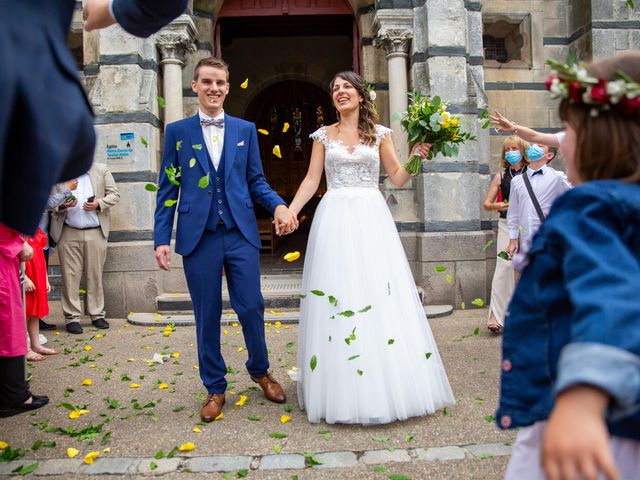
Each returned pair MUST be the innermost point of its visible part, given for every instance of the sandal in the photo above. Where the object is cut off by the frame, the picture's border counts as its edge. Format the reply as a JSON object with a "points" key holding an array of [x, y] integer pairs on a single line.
{"points": [[495, 328], [34, 357]]}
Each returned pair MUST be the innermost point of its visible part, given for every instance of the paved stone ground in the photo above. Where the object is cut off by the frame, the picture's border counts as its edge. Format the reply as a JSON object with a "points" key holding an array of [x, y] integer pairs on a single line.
{"points": [[136, 423]]}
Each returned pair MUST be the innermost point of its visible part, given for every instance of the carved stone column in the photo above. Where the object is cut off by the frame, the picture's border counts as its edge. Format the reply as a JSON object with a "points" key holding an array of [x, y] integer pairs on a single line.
{"points": [[394, 32], [175, 41], [396, 42]]}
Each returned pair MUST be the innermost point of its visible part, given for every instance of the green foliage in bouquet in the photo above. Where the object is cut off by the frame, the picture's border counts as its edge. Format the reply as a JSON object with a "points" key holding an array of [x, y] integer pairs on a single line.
{"points": [[427, 120]]}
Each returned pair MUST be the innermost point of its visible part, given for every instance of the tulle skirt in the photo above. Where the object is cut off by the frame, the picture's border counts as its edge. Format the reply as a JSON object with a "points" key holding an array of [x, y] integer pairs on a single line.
{"points": [[366, 353]]}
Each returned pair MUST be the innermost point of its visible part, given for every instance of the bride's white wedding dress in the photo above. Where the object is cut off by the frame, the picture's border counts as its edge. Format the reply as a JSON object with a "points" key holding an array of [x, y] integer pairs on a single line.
{"points": [[366, 353]]}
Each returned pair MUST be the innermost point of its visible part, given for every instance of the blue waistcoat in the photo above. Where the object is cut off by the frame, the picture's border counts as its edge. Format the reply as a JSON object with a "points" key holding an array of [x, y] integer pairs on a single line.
{"points": [[219, 209]]}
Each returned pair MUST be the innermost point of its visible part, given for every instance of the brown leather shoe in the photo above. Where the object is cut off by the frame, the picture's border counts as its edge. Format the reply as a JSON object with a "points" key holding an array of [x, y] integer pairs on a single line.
{"points": [[271, 388], [212, 407]]}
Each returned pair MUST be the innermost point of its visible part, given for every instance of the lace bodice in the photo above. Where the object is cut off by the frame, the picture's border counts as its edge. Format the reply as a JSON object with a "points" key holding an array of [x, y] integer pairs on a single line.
{"points": [[345, 168]]}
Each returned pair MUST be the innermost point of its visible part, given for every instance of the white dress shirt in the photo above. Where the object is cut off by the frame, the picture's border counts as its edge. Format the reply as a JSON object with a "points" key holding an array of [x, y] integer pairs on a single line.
{"points": [[77, 217], [213, 138], [547, 186]]}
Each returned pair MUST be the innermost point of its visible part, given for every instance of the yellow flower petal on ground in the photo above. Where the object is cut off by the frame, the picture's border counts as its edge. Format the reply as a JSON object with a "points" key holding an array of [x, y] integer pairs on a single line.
{"points": [[166, 333], [3, 445], [74, 414], [225, 332], [186, 447], [267, 324], [285, 418], [292, 256], [242, 401], [162, 386], [135, 385], [285, 127], [131, 359], [197, 430], [234, 324], [92, 366], [126, 325], [220, 417], [152, 328], [56, 333], [244, 84], [175, 355], [195, 367], [86, 382], [263, 131], [88, 348], [99, 335], [240, 349], [72, 452], [147, 347], [90, 457], [268, 330], [276, 151], [278, 324], [106, 450]]}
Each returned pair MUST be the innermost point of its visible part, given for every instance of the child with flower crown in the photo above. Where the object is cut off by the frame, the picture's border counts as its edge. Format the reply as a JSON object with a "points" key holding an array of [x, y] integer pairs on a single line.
{"points": [[571, 351]]}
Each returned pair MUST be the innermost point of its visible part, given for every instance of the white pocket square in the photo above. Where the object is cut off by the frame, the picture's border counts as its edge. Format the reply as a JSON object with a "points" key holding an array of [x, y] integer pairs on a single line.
{"points": [[241, 144]]}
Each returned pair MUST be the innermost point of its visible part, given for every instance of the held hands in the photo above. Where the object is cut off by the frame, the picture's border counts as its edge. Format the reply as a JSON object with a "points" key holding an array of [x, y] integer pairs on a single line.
{"points": [[163, 257], [502, 123], [576, 440], [97, 15], [420, 149], [285, 220]]}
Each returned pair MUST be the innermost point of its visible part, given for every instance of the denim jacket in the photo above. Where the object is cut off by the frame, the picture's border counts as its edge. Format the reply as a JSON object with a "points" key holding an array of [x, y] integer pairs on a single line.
{"points": [[575, 315]]}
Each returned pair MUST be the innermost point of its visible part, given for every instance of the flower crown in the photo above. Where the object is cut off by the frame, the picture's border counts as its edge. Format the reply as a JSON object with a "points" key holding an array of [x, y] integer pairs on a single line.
{"points": [[571, 81]]}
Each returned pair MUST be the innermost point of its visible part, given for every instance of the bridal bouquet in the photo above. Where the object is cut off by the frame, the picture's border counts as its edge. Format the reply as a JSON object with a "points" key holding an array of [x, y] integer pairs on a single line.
{"points": [[427, 120]]}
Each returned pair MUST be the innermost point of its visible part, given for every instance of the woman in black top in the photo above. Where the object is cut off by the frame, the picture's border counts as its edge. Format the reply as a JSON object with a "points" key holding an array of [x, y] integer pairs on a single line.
{"points": [[497, 199]]}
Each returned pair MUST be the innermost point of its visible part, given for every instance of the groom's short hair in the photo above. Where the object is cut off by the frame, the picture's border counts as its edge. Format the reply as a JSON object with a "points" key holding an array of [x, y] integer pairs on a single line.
{"points": [[211, 62]]}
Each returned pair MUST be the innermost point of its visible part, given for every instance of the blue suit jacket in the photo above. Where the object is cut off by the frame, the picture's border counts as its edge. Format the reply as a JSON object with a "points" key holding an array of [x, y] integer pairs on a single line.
{"points": [[46, 124], [243, 178]]}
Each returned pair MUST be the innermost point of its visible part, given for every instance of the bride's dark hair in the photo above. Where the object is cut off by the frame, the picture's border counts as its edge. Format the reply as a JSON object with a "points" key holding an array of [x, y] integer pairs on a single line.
{"points": [[368, 116]]}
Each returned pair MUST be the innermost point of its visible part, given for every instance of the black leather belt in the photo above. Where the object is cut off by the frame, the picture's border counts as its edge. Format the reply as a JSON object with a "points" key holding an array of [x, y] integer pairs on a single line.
{"points": [[86, 228]]}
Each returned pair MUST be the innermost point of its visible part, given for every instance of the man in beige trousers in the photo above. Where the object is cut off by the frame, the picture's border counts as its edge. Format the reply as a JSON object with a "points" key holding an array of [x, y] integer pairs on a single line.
{"points": [[81, 234]]}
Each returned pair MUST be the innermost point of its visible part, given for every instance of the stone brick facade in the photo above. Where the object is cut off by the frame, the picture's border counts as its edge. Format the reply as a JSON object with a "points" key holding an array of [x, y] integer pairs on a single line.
{"points": [[439, 212]]}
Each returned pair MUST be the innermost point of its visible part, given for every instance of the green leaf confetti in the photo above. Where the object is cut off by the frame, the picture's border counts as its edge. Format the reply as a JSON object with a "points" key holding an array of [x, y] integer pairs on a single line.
{"points": [[204, 181]]}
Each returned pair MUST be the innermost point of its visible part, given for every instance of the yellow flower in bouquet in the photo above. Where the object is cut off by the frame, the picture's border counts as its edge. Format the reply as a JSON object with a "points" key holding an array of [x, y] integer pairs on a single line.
{"points": [[427, 120]]}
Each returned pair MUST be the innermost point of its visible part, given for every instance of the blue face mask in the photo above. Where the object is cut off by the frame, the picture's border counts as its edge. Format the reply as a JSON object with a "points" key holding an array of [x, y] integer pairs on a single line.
{"points": [[513, 157], [534, 153]]}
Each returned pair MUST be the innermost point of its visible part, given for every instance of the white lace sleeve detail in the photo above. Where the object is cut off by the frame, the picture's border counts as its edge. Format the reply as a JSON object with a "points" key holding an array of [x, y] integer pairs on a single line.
{"points": [[382, 132], [320, 135]]}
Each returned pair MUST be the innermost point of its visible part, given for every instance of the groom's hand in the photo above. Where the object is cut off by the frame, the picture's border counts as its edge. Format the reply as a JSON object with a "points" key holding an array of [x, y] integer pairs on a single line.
{"points": [[163, 256], [284, 220]]}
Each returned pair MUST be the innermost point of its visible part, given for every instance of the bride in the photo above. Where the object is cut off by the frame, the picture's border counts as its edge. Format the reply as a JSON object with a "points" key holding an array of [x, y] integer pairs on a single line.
{"points": [[366, 353]]}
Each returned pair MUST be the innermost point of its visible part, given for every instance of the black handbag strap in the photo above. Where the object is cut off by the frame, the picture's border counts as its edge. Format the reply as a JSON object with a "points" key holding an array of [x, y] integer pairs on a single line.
{"points": [[532, 195]]}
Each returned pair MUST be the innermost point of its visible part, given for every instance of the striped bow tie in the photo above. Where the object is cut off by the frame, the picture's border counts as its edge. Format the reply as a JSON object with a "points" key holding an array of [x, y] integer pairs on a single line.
{"points": [[216, 122]]}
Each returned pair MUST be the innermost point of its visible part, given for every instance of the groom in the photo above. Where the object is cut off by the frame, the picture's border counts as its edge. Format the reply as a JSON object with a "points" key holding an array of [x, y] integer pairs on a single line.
{"points": [[212, 161]]}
